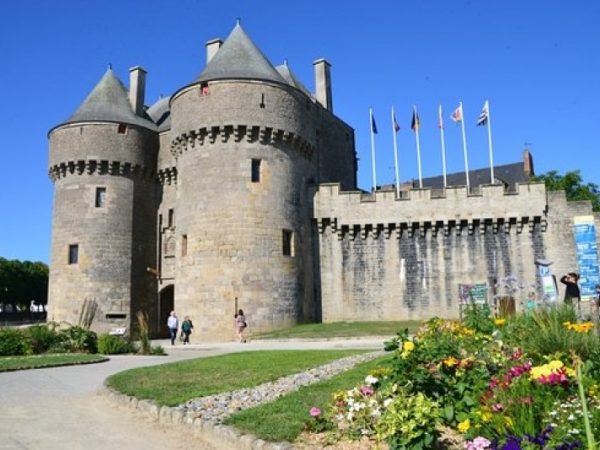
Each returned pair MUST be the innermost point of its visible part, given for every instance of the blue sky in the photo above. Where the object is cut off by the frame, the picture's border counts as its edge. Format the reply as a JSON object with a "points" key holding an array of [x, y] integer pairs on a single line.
{"points": [[536, 61]]}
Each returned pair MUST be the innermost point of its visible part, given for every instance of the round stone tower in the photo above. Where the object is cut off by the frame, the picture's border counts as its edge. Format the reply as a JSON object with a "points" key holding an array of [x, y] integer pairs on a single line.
{"points": [[102, 161], [244, 138]]}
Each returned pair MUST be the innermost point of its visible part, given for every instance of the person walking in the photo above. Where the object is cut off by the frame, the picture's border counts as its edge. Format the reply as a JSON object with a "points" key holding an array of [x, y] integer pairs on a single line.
{"points": [[240, 325], [186, 329], [173, 325]]}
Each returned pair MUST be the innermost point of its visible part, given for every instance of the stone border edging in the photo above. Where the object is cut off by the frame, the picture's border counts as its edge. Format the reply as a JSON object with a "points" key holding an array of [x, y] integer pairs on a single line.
{"points": [[220, 436]]}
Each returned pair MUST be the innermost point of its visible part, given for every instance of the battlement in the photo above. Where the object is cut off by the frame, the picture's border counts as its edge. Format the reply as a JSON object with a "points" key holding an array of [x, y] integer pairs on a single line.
{"points": [[489, 208], [101, 167], [247, 133], [167, 176]]}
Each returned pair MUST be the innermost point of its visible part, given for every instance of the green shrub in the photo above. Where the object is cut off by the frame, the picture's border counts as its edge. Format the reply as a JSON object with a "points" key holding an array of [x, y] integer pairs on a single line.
{"points": [[13, 342], [157, 350], [543, 332], [112, 345], [41, 338], [78, 340]]}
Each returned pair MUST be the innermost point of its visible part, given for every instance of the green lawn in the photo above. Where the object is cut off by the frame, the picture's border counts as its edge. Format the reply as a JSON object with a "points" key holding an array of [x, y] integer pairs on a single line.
{"points": [[285, 418], [176, 383], [341, 329], [8, 363]]}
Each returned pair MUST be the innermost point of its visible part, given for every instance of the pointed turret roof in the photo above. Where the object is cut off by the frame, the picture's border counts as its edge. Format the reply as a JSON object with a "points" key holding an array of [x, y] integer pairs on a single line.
{"points": [[108, 102], [239, 58], [291, 79], [160, 113]]}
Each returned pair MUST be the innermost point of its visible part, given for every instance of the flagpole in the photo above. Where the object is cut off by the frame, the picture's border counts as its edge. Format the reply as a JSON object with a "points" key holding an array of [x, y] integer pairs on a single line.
{"points": [[441, 124], [395, 153], [418, 149], [464, 136], [373, 149], [489, 127]]}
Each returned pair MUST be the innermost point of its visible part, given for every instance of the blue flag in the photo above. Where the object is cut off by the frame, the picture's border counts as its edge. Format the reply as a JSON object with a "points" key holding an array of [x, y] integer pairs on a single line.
{"points": [[373, 125]]}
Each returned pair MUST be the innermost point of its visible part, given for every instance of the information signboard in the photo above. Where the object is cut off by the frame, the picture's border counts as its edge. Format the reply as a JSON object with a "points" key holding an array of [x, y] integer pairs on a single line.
{"points": [[473, 293], [587, 255]]}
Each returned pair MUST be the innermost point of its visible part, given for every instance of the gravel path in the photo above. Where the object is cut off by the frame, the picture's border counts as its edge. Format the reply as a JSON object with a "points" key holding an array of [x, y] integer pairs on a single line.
{"points": [[215, 408]]}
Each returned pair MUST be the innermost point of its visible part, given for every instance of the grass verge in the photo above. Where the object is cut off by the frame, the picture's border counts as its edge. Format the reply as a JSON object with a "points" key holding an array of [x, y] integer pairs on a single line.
{"points": [[176, 383], [285, 418], [10, 363], [341, 329]]}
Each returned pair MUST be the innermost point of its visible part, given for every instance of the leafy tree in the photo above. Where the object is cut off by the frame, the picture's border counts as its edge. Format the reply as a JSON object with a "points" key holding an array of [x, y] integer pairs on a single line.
{"points": [[573, 185], [23, 281]]}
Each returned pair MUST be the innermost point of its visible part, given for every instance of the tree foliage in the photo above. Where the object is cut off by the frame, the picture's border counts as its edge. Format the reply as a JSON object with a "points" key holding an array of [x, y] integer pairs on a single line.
{"points": [[573, 185], [23, 281]]}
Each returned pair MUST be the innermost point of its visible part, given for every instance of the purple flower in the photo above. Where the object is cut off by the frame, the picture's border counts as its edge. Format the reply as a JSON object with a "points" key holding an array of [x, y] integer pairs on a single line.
{"points": [[315, 412]]}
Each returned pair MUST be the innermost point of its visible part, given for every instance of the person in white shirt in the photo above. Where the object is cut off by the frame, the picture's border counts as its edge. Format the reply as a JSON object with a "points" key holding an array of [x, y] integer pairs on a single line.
{"points": [[173, 325]]}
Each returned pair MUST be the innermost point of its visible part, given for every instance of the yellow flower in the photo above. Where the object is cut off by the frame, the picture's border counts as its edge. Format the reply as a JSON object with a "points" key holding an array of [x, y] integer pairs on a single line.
{"points": [[508, 421], [499, 322], [408, 346], [464, 426], [451, 361]]}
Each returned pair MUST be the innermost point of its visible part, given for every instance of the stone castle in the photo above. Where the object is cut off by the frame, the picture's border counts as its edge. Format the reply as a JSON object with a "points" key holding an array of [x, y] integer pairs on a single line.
{"points": [[239, 191]]}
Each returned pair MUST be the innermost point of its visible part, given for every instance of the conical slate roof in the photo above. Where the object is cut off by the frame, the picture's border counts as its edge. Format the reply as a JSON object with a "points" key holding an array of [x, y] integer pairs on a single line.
{"points": [[108, 102], [291, 79], [239, 58], [160, 113]]}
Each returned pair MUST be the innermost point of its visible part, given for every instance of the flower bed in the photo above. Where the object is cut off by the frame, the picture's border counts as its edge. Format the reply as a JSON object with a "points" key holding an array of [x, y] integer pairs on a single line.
{"points": [[529, 382]]}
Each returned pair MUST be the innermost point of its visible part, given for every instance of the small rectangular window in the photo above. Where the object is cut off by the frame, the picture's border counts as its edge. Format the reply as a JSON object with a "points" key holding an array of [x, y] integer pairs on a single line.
{"points": [[171, 218], [122, 129], [204, 89], [184, 245], [256, 170], [73, 253], [288, 243], [100, 197]]}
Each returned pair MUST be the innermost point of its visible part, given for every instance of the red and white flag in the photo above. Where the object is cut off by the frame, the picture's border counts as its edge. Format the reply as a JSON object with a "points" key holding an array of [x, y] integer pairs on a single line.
{"points": [[457, 115]]}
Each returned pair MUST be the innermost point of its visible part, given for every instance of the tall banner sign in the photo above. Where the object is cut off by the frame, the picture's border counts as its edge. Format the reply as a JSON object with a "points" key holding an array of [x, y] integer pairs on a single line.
{"points": [[587, 256]]}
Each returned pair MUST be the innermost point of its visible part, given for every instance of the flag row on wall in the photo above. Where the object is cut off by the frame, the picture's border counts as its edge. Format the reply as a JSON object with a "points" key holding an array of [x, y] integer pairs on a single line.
{"points": [[457, 116]]}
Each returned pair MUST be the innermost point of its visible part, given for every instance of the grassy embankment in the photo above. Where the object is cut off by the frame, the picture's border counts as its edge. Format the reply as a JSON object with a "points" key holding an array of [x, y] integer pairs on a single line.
{"points": [[10, 363], [285, 418], [341, 330], [176, 383]]}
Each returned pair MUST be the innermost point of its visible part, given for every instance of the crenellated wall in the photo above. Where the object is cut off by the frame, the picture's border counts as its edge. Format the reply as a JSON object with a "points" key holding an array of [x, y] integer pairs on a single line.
{"points": [[388, 258]]}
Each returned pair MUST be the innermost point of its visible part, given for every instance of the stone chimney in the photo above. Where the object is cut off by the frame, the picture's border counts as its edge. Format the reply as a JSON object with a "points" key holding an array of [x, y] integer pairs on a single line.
{"points": [[137, 89], [211, 48], [323, 83], [528, 163]]}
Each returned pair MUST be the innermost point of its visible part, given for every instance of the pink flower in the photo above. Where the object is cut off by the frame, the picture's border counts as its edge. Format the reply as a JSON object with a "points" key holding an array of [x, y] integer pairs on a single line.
{"points": [[498, 407], [366, 390], [315, 412], [479, 443]]}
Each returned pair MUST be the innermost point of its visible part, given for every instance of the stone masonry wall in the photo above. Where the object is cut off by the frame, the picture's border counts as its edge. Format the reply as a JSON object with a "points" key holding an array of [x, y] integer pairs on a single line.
{"points": [[233, 226], [388, 259], [115, 240]]}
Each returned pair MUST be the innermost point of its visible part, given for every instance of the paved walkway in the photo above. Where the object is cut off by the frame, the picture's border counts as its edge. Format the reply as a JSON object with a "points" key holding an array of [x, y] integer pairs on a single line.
{"points": [[58, 408]]}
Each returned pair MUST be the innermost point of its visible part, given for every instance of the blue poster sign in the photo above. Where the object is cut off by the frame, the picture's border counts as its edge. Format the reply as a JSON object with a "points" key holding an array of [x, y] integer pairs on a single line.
{"points": [[587, 255]]}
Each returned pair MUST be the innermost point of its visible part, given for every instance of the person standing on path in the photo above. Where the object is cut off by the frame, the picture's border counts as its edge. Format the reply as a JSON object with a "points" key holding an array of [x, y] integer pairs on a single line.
{"points": [[572, 292], [173, 325], [240, 325], [186, 329]]}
